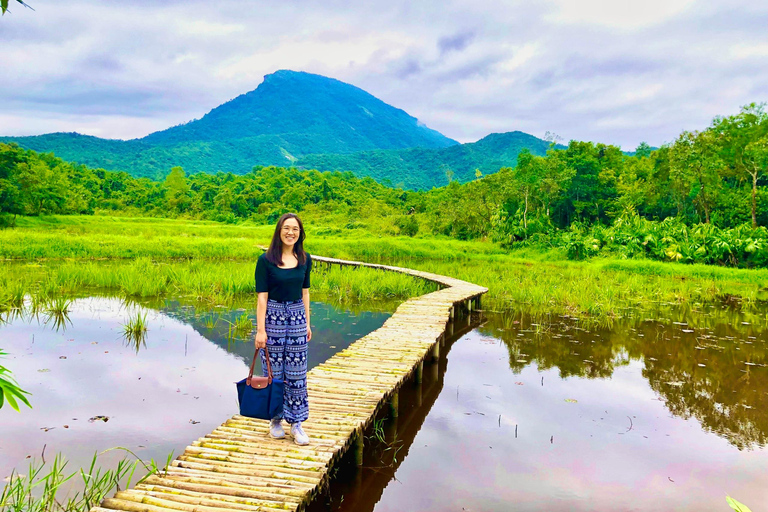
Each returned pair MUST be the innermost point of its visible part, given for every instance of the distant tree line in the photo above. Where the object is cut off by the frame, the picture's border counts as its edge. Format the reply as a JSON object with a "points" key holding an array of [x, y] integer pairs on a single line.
{"points": [[34, 183], [699, 198]]}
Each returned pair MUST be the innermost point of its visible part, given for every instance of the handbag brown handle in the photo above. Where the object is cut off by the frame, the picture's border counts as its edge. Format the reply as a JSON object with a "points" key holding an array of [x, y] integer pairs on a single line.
{"points": [[253, 363]]}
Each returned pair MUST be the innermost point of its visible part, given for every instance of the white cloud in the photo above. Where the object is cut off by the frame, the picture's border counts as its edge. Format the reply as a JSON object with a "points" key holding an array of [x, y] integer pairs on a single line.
{"points": [[618, 72], [112, 126], [617, 14], [746, 51]]}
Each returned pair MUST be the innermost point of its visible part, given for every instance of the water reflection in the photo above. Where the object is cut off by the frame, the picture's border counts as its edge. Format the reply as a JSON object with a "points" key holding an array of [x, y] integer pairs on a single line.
{"points": [[717, 374], [725, 312], [390, 440], [136, 340], [545, 413], [52, 315], [160, 388]]}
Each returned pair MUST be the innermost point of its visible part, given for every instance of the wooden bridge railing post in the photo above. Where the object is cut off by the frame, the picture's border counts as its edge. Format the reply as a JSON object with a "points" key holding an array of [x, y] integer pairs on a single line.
{"points": [[359, 445], [394, 404], [436, 351], [391, 431]]}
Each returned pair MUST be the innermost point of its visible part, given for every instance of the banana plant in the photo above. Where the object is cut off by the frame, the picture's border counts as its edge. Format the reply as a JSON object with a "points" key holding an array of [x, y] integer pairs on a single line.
{"points": [[737, 506], [10, 391]]}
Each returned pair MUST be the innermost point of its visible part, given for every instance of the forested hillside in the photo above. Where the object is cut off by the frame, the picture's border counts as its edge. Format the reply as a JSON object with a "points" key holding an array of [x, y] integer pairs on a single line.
{"points": [[701, 198], [419, 168]]}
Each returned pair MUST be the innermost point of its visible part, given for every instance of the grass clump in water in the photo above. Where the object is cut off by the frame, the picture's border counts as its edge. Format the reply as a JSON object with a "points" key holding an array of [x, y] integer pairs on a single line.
{"points": [[135, 330]]}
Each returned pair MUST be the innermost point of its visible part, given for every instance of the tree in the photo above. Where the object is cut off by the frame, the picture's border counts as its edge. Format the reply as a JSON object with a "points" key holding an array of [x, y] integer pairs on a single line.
{"points": [[555, 179], [41, 188], [756, 153], [177, 190], [528, 174], [632, 184], [10, 156], [592, 189], [643, 150], [742, 141], [695, 170]]}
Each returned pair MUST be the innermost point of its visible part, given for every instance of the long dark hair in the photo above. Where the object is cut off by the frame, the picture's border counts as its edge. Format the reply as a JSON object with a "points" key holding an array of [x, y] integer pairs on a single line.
{"points": [[275, 251]]}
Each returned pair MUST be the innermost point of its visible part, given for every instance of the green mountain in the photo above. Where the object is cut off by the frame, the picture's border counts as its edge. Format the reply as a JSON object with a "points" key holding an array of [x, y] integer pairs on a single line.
{"points": [[289, 115], [303, 120], [419, 168]]}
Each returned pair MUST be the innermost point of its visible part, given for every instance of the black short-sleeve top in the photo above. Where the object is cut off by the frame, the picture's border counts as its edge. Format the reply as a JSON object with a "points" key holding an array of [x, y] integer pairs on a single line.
{"points": [[282, 284]]}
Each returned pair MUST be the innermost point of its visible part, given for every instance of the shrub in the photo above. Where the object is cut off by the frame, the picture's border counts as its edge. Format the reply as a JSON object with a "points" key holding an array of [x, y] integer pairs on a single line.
{"points": [[408, 225]]}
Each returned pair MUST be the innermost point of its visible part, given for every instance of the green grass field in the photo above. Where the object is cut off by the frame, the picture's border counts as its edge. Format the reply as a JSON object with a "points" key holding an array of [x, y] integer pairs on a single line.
{"points": [[214, 262]]}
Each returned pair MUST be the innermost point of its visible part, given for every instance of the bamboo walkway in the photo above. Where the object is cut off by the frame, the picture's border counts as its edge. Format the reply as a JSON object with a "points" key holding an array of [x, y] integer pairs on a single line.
{"points": [[239, 467]]}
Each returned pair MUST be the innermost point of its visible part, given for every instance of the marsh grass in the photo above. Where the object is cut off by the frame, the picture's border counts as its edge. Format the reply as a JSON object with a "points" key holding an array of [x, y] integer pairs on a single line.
{"points": [[211, 321], [12, 296], [58, 305], [41, 491], [212, 283], [239, 329], [219, 259], [135, 331], [243, 324], [56, 311]]}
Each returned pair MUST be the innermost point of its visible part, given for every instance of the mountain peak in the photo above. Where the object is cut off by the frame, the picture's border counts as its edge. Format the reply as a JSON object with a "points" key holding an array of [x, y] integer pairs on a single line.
{"points": [[289, 115], [313, 114]]}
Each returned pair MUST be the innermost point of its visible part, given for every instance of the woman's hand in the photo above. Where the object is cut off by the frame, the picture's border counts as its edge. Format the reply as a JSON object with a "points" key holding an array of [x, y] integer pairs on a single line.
{"points": [[260, 340], [309, 333]]}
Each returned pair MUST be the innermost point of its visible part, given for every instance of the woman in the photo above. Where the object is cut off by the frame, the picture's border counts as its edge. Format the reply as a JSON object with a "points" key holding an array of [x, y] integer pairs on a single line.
{"points": [[282, 318]]}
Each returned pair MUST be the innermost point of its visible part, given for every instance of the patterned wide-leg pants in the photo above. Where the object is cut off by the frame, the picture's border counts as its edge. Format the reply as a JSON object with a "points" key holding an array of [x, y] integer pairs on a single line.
{"points": [[286, 325]]}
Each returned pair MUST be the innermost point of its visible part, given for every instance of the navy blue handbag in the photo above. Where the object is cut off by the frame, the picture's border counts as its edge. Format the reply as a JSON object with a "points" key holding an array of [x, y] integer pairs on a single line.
{"points": [[260, 397]]}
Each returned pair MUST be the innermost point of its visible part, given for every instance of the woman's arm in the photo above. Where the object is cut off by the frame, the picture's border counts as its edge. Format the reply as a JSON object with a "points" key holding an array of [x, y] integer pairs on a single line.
{"points": [[261, 320], [305, 299]]}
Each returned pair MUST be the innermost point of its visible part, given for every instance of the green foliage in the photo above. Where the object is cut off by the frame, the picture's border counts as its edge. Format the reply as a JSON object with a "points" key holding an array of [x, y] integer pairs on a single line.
{"points": [[631, 236], [10, 392], [135, 328], [38, 492], [688, 201], [743, 145], [408, 225], [736, 505], [213, 264], [422, 168], [35, 184]]}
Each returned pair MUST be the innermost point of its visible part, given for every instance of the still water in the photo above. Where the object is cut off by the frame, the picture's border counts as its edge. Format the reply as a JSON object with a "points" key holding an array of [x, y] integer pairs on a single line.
{"points": [[653, 415], [93, 389]]}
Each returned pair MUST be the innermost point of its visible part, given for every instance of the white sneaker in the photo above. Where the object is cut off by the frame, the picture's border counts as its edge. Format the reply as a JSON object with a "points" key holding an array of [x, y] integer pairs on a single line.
{"points": [[299, 437], [276, 429]]}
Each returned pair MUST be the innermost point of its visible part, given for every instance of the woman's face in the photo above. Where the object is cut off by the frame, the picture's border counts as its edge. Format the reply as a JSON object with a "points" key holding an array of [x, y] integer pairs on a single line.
{"points": [[290, 232]]}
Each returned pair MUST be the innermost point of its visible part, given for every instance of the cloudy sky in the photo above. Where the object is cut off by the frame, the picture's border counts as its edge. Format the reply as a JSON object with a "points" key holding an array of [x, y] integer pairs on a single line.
{"points": [[612, 71]]}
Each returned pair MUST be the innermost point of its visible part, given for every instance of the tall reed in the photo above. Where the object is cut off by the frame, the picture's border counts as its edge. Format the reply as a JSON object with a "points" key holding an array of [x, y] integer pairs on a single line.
{"points": [[40, 491]]}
